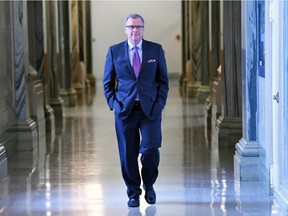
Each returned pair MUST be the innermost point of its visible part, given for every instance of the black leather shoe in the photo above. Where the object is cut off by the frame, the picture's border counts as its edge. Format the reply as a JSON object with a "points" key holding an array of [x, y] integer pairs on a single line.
{"points": [[134, 202], [150, 195]]}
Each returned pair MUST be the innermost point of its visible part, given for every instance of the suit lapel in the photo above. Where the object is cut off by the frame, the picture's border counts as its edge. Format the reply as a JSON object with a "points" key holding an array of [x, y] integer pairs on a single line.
{"points": [[126, 56], [125, 52], [144, 57]]}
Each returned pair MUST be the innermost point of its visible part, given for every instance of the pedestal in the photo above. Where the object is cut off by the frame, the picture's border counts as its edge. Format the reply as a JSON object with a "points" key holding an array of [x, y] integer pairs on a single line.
{"points": [[79, 90], [69, 96], [92, 80], [27, 142], [192, 89], [246, 161], [229, 129], [203, 93], [3, 163]]}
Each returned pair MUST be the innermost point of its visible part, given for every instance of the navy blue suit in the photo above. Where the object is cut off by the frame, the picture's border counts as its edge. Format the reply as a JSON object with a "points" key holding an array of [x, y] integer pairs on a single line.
{"points": [[120, 88]]}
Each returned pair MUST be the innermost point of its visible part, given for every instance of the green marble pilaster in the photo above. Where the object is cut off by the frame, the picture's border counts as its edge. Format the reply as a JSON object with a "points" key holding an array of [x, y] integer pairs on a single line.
{"points": [[24, 128], [52, 64], [232, 74], [198, 85], [215, 37], [67, 92], [76, 69], [88, 45]]}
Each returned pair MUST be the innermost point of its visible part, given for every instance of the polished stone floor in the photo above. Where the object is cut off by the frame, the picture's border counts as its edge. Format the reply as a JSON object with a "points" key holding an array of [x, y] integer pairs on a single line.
{"points": [[78, 172]]}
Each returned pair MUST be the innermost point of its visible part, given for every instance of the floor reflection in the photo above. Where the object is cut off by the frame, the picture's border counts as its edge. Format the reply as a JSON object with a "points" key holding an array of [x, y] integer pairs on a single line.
{"points": [[78, 170]]}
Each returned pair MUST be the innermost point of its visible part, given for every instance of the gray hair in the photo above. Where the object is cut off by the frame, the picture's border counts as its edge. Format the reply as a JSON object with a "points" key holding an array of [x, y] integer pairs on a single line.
{"points": [[133, 16]]}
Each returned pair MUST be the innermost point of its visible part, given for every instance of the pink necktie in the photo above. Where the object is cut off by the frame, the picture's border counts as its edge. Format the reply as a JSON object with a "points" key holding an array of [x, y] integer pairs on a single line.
{"points": [[136, 61]]}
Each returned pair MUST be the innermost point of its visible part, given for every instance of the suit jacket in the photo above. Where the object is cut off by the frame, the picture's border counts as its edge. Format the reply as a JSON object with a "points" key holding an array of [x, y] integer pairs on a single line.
{"points": [[121, 85]]}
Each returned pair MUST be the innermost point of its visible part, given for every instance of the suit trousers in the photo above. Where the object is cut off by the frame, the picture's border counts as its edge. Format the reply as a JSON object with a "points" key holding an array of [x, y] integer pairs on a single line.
{"points": [[137, 134]]}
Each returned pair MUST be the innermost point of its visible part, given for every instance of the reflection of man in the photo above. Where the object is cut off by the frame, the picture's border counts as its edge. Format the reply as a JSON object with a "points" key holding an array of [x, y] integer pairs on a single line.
{"points": [[136, 87]]}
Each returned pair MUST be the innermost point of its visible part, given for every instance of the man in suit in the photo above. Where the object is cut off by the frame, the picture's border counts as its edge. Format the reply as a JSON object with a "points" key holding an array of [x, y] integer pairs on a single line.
{"points": [[136, 86]]}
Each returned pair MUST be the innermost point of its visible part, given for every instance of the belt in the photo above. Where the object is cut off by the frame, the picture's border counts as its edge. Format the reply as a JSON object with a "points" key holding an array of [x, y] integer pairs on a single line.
{"points": [[137, 106], [137, 103]]}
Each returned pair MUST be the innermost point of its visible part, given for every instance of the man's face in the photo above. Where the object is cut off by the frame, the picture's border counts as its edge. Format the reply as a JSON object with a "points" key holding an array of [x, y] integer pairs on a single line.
{"points": [[134, 30]]}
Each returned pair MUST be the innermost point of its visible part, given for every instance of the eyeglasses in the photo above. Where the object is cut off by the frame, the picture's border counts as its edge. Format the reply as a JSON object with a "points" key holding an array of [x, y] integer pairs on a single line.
{"points": [[138, 27]]}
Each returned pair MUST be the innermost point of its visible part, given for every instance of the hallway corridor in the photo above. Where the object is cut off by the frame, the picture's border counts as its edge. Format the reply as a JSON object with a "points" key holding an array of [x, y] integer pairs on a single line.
{"points": [[78, 174]]}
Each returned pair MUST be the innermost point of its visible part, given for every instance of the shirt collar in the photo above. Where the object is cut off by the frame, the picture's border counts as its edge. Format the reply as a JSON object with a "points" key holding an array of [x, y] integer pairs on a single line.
{"points": [[131, 46]]}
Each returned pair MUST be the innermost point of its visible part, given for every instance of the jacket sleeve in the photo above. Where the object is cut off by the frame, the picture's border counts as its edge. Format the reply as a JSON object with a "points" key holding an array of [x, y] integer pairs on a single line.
{"points": [[109, 79], [162, 79], [162, 85]]}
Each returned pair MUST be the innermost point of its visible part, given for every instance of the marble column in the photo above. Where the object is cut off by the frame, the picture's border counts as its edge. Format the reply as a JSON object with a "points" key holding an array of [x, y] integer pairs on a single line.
{"points": [[246, 158], [76, 69], [204, 90], [82, 28], [37, 79], [183, 24], [67, 92], [212, 102], [6, 82], [229, 123], [88, 44], [25, 129], [195, 48], [215, 39], [198, 86], [186, 72], [51, 55], [38, 55]]}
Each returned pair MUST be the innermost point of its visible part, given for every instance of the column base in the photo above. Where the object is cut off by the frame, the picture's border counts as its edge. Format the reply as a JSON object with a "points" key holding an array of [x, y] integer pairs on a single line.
{"points": [[50, 118], [229, 129], [87, 85], [3, 163], [57, 106], [69, 96], [27, 142], [79, 90], [246, 161], [192, 89], [264, 172], [92, 80], [183, 88], [203, 93]]}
